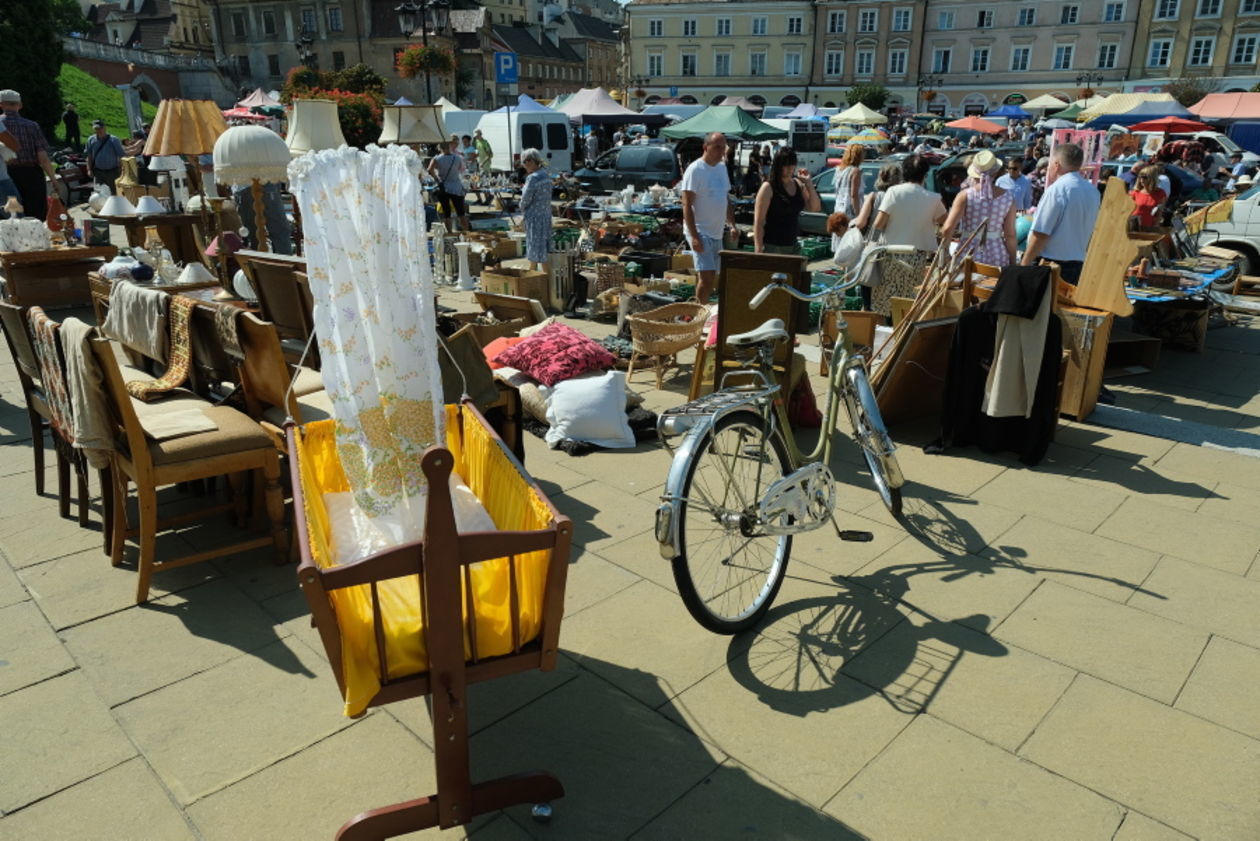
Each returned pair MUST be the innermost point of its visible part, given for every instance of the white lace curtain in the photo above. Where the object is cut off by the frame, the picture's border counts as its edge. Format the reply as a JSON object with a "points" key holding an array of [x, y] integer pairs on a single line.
{"points": [[368, 263]]}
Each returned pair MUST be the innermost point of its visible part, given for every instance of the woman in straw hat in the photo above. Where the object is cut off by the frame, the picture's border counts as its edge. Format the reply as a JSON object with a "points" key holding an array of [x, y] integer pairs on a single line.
{"points": [[983, 200]]}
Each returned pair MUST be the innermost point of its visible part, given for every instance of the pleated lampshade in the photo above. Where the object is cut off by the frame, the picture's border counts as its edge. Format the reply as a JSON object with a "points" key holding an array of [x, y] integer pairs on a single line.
{"points": [[313, 125], [412, 124], [243, 154], [185, 127]]}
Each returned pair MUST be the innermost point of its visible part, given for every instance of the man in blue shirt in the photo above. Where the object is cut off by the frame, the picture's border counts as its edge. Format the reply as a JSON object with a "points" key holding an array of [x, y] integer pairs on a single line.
{"points": [[1017, 184], [32, 156], [1066, 215], [104, 156]]}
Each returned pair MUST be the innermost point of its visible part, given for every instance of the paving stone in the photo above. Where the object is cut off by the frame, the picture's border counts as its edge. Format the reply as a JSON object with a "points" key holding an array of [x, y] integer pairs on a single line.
{"points": [[641, 555], [1212, 464], [962, 787], [827, 553], [1137, 478], [1233, 503], [1222, 687], [733, 802], [293, 616], [555, 477], [1138, 827], [256, 572], [950, 522], [1111, 641], [1192, 537], [631, 471], [29, 649], [1054, 498], [135, 651], [41, 534], [80, 587], [1082, 561], [619, 761], [11, 589], [603, 515], [591, 579], [126, 801], [1116, 443], [19, 457], [964, 677], [221, 725], [1203, 598], [57, 733], [960, 472], [1190, 774]]}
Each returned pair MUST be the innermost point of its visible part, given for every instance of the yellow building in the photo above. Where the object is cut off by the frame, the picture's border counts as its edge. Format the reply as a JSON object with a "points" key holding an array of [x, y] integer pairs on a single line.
{"points": [[1210, 38]]}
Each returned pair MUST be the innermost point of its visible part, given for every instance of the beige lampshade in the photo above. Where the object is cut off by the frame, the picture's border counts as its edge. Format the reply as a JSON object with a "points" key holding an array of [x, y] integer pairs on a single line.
{"points": [[313, 126], [243, 154], [185, 127], [412, 124], [117, 206]]}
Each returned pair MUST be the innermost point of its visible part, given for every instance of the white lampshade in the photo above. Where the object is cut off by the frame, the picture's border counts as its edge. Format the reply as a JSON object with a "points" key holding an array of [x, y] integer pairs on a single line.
{"points": [[166, 163], [313, 126], [195, 272], [117, 206], [245, 153], [149, 204], [412, 124]]}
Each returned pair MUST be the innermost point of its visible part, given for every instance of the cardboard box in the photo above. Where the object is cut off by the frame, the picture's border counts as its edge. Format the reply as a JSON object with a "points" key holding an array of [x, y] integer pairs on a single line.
{"points": [[512, 312], [522, 283], [683, 275], [681, 262], [497, 247]]}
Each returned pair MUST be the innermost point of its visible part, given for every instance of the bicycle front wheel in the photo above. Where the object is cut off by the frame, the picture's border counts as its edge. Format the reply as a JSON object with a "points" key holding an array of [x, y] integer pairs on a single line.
{"points": [[729, 569], [871, 434]]}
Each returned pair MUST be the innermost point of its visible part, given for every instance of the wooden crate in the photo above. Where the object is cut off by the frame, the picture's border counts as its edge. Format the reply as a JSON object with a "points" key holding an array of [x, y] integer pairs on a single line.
{"points": [[1090, 332], [57, 277]]}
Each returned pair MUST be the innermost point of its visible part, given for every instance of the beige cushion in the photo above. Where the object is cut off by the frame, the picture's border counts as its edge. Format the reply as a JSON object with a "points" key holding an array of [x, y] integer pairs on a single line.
{"points": [[178, 412], [236, 433], [308, 381], [314, 406]]}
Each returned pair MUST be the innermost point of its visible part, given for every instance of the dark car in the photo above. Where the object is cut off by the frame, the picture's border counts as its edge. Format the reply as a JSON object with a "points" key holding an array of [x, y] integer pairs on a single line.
{"points": [[638, 166]]}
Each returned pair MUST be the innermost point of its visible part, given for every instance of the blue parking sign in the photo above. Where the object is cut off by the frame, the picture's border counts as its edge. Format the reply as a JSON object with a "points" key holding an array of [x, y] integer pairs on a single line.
{"points": [[673, 90], [505, 68]]}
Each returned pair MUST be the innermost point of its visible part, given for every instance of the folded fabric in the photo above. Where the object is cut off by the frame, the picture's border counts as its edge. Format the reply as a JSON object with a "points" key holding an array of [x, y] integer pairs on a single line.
{"points": [[496, 347], [181, 354], [137, 319], [93, 431], [1018, 346], [44, 332], [556, 353], [1019, 291], [182, 413]]}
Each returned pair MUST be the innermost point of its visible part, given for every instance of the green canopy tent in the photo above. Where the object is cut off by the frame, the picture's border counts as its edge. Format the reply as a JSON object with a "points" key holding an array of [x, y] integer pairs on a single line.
{"points": [[1069, 113], [728, 119]]}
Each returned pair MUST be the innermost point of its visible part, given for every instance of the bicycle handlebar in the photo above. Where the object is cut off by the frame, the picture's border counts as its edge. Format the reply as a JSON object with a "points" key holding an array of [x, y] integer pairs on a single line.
{"points": [[779, 280]]}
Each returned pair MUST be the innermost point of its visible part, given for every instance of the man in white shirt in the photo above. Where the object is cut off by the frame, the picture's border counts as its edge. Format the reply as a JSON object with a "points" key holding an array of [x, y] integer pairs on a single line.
{"points": [[1017, 184], [707, 211], [1066, 215]]}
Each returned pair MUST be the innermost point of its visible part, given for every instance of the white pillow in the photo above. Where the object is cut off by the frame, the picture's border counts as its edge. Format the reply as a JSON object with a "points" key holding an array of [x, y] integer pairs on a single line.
{"points": [[589, 408]]}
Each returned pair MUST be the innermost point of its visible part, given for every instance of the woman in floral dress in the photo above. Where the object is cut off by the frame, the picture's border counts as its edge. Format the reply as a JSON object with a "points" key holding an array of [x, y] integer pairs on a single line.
{"points": [[536, 208], [982, 201]]}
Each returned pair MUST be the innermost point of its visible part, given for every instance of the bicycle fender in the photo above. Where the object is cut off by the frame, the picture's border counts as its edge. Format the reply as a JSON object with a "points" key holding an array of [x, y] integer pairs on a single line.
{"points": [[668, 513]]}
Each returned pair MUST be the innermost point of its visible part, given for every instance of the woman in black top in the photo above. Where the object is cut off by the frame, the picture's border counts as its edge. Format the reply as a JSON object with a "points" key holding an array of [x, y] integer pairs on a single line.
{"points": [[777, 215]]}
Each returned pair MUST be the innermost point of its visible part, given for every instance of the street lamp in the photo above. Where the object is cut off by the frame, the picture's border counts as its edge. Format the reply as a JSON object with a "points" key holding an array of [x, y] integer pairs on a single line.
{"points": [[413, 15], [305, 54], [927, 85], [1085, 81]]}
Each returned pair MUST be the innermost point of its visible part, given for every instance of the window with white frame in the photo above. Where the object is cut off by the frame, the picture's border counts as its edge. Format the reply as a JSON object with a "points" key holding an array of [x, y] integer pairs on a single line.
{"points": [[902, 19], [689, 29], [865, 63], [1201, 50], [941, 60], [791, 64], [835, 22], [757, 64], [1167, 9], [868, 20], [688, 64], [1209, 9], [1063, 56], [1249, 7], [1020, 57], [1107, 56], [723, 26], [309, 25], [980, 60], [1244, 51], [833, 63], [1160, 52], [1113, 12], [944, 20], [656, 64], [896, 62], [656, 28], [1069, 15], [721, 64], [1027, 17], [759, 26], [984, 19], [334, 18], [795, 25]]}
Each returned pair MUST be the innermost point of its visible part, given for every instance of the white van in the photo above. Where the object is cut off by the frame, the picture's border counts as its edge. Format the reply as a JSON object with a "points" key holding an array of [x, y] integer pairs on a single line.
{"points": [[1241, 233], [511, 134], [808, 138], [462, 122]]}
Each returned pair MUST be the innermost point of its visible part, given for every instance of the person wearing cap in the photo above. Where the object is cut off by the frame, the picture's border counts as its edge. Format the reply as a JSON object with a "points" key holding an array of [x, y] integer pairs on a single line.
{"points": [[1066, 215], [31, 163], [1016, 183], [1237, 169], [104, 155], [8, 150], [983, 201]]}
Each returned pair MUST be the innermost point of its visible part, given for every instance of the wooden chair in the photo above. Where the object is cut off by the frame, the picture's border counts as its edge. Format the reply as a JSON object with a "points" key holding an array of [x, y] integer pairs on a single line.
{"points": [[284, 300], [515, 572], [238, 446], [265, 376], [17, 337]]}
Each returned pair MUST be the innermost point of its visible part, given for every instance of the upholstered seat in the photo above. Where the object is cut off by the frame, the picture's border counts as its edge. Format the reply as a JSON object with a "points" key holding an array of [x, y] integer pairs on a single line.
{"points": [[236, 433], [312, 407], [308, 380]]}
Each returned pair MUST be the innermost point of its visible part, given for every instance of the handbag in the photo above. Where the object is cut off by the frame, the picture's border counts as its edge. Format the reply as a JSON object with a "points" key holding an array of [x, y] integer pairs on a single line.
{"points": [[848, 248], [872, 275]]}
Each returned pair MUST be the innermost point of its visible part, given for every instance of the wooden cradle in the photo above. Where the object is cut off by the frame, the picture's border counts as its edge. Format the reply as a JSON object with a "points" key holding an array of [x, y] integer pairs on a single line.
{"points": [[420, 619]]}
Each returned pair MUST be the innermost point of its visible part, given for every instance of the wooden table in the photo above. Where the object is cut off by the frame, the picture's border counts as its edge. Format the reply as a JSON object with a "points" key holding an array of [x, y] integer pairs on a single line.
{"points": [[175, 230], [57, 277]]}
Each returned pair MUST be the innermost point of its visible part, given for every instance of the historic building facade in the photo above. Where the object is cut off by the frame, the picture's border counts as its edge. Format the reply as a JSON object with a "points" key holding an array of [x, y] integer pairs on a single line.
{"points": [[1219, 39]]}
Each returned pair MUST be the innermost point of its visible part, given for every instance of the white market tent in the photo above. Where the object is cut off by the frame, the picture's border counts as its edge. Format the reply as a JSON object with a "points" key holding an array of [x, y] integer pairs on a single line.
{"points": [[1119, 103], [1045, 102], [446, 105], [594, 105], [257, 99], [859, 115]]}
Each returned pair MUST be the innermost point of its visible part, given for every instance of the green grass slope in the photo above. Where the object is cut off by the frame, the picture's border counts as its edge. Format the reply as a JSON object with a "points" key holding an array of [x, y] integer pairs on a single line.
{"points": [[95, 100]]}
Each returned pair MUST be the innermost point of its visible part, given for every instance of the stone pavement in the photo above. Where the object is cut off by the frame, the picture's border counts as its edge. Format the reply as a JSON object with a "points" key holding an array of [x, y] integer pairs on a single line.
{"points": [[1070, 652]]}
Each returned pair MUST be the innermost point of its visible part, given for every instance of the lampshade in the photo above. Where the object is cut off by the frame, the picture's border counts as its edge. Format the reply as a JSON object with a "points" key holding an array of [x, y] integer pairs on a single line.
{"points": [[166, 163], [117, 206], [185, 127], [412, 124], [149, 204], [195, 272], [226, 243], [245, 153], [313, 125]]}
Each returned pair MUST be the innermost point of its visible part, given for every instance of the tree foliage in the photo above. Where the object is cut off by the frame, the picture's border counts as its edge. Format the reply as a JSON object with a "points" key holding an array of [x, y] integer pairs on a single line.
{"points": [[358, 78], [358, 111], [31, 59], [871, 95], [68, 17], [1190, 89]]}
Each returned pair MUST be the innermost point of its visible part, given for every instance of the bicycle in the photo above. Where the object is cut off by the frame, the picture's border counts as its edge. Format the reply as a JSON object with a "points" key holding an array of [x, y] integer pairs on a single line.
{"points": [[739, 487]]}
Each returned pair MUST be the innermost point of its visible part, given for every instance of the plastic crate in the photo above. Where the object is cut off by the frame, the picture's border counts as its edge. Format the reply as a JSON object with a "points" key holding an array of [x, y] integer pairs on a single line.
{"points": [[814, 248]]}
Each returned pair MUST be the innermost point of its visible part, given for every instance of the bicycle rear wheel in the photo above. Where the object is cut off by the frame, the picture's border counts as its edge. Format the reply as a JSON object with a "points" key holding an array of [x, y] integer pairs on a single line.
{"points": [[728, 569], [871, 434]]}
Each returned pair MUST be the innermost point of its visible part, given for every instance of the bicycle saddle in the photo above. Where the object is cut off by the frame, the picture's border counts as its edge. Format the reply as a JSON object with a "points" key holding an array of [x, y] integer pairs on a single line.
{"points": [[772, 331]]}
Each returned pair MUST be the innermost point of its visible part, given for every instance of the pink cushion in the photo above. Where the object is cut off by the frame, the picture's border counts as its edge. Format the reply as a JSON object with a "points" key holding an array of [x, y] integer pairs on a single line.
{"points": [[555, 353]]}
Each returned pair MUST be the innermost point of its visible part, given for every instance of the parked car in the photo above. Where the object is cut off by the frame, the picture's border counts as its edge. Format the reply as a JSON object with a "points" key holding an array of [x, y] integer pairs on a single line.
{"points": [[638, 166], [1241, 233]]}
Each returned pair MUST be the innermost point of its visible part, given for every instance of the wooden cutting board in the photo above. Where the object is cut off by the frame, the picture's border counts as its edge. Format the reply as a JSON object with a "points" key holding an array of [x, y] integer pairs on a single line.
{"points": [[1110, 254]]}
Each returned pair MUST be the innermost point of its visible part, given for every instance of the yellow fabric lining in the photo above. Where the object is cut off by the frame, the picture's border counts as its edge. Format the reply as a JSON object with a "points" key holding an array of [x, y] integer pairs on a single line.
{"points": [[512, 504]]}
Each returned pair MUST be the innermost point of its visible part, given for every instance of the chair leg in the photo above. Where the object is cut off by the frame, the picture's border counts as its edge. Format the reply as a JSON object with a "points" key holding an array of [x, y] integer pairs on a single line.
{"points": [[634, 357], [106, 477], [80, 470], [63, 480], [238, 484], [274, 495], [118, 534], [37, 433], [147, 498]]}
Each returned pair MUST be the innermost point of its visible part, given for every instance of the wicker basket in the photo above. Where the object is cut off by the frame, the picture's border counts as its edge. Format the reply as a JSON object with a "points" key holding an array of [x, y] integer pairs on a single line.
{"points": [[661, 333], [609, 276]]}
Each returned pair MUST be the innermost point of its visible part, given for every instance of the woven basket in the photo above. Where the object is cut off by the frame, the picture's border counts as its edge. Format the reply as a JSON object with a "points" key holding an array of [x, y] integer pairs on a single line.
{"points": [[661, 333], [609, 276]]}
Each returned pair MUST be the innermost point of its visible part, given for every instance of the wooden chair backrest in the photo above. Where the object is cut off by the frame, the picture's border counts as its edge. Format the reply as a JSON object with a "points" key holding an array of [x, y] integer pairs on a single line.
{"points": [[211, 364], [743, 275], [974, 293], [129, 436], [279, 295], [18, 336], [264, 373]]}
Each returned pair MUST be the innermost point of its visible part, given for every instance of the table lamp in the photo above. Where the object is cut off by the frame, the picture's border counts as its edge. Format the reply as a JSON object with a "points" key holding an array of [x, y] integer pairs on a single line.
{"points": [[411, 124], [176, 172], [313, 125], [252, 155]]}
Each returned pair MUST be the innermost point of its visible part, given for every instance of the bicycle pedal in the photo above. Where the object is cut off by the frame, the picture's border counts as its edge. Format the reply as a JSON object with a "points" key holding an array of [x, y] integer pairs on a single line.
{"points": [[854, 536]]}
